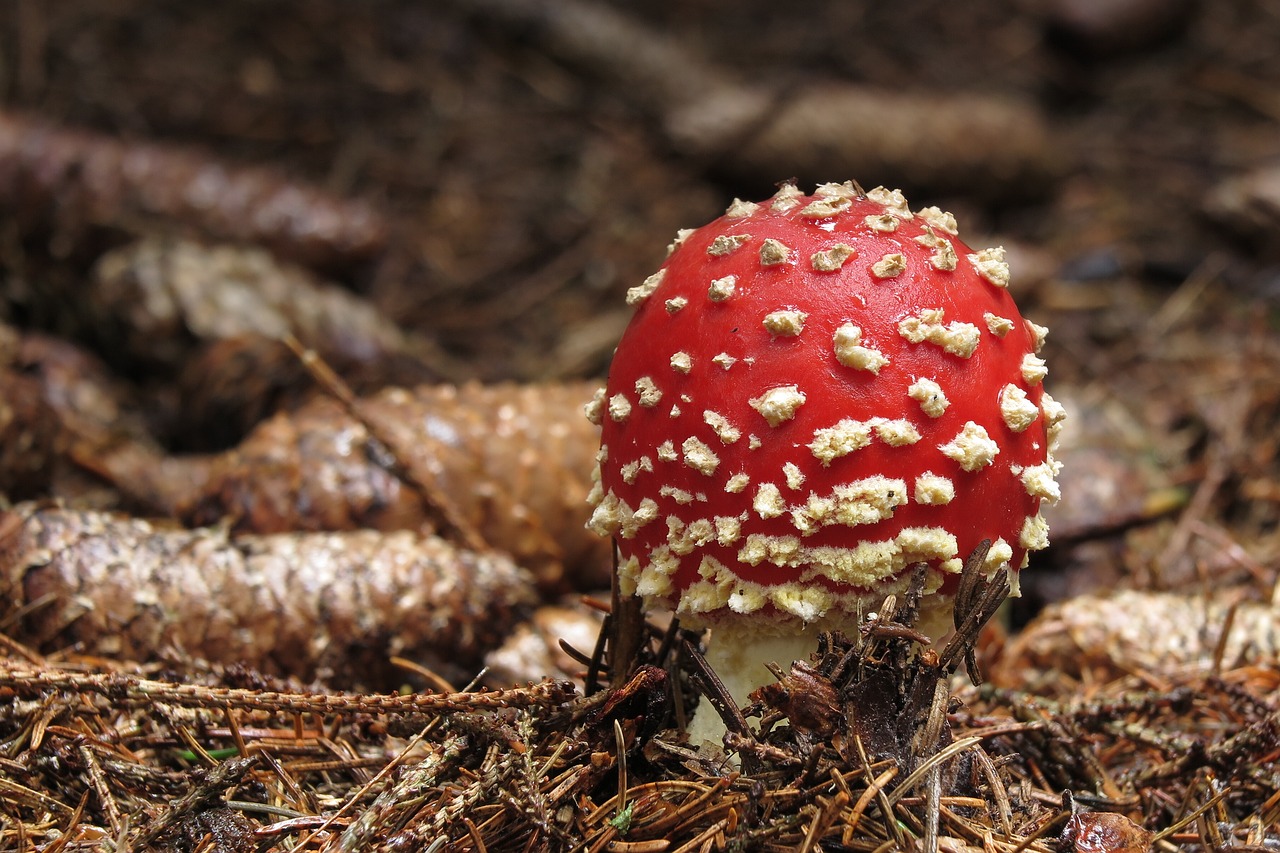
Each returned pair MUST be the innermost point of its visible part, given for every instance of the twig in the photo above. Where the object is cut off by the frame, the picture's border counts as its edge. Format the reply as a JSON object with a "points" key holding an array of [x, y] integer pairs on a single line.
{"points": [[226, 775], [103, 791], [627, 630], [73, 177], [402, 464], [716, 693], [128, 689], [980, 143]]}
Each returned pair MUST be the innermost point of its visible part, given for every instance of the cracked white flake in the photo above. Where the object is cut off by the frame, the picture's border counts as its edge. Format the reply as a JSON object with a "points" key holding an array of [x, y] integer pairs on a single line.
{"points": [[737, 483], [786, 323], [684, 538], [632, 469], [998, 557], [939, 219], [681, 236], [956, 338], [604, 519], [998, 326], [896, 432], [699, 457], [831, 260], [831, 189], [1038, 335], [1033, 369], [1035, 533], [926, 543], [778, 404], [667, 451], [934, 490], [726, 243], [1040, 483], [619, 407], [890, 266], [1018, 411], [680, 496], [595, 409], [933, 402], [675, 304], [893, 200], [853, 504], [786, 198], [885, 223], [971, 447], [825, 208], [794, 476], [773, 252], [768, 501], [779, 550], [726, 431], [722, 288], [739, 209], [850, 352], [649, 393], [640, 293], [724, 360], [728, 529], [944, 255], [1054, 414], [991, 265], [681, 362], [631, 522], [845, 437]]}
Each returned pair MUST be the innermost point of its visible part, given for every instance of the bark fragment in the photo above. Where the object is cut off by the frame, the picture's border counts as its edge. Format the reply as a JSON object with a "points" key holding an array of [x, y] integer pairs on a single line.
{"points": [[69, 179]]}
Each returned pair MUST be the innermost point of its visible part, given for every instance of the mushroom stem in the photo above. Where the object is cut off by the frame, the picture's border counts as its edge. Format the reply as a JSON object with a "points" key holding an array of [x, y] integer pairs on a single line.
{"points": [[738, 652]]}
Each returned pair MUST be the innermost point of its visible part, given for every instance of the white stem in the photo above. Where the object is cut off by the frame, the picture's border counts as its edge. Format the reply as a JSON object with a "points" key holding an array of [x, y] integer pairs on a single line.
{"points": [[738, 652]]}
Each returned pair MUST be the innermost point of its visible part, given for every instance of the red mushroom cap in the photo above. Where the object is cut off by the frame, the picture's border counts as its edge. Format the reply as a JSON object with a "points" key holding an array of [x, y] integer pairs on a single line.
{"points": [[816, 393]]}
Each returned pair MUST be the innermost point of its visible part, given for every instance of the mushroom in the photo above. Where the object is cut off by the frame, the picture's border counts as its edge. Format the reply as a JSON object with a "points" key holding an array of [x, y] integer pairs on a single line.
{"points": [[817, 393]]}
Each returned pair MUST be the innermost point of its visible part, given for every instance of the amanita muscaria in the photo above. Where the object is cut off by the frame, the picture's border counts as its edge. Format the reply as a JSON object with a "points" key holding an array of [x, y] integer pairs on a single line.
{"points": [[815, 394]]}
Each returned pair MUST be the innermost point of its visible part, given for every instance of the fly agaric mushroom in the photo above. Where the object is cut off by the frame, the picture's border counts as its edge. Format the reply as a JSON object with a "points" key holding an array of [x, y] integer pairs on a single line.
{"points": [[816, 394]]}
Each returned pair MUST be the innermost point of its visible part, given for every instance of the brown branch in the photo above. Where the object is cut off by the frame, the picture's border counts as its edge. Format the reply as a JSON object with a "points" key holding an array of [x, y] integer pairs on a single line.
{"points": [[71, 178], [126, 689], [984, 144]]}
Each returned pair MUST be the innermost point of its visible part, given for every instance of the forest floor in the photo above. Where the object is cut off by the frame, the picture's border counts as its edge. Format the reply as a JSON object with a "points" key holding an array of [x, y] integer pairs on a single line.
{"points": [[440, 193]]}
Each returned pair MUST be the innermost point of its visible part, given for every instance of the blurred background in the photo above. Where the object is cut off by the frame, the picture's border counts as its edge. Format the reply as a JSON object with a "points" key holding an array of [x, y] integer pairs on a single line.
{"points": [[475, 183]]}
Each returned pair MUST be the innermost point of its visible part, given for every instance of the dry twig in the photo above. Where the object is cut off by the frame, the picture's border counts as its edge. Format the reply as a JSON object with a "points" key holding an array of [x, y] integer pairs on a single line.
{"points": [[75, 178], [982, 144]]}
